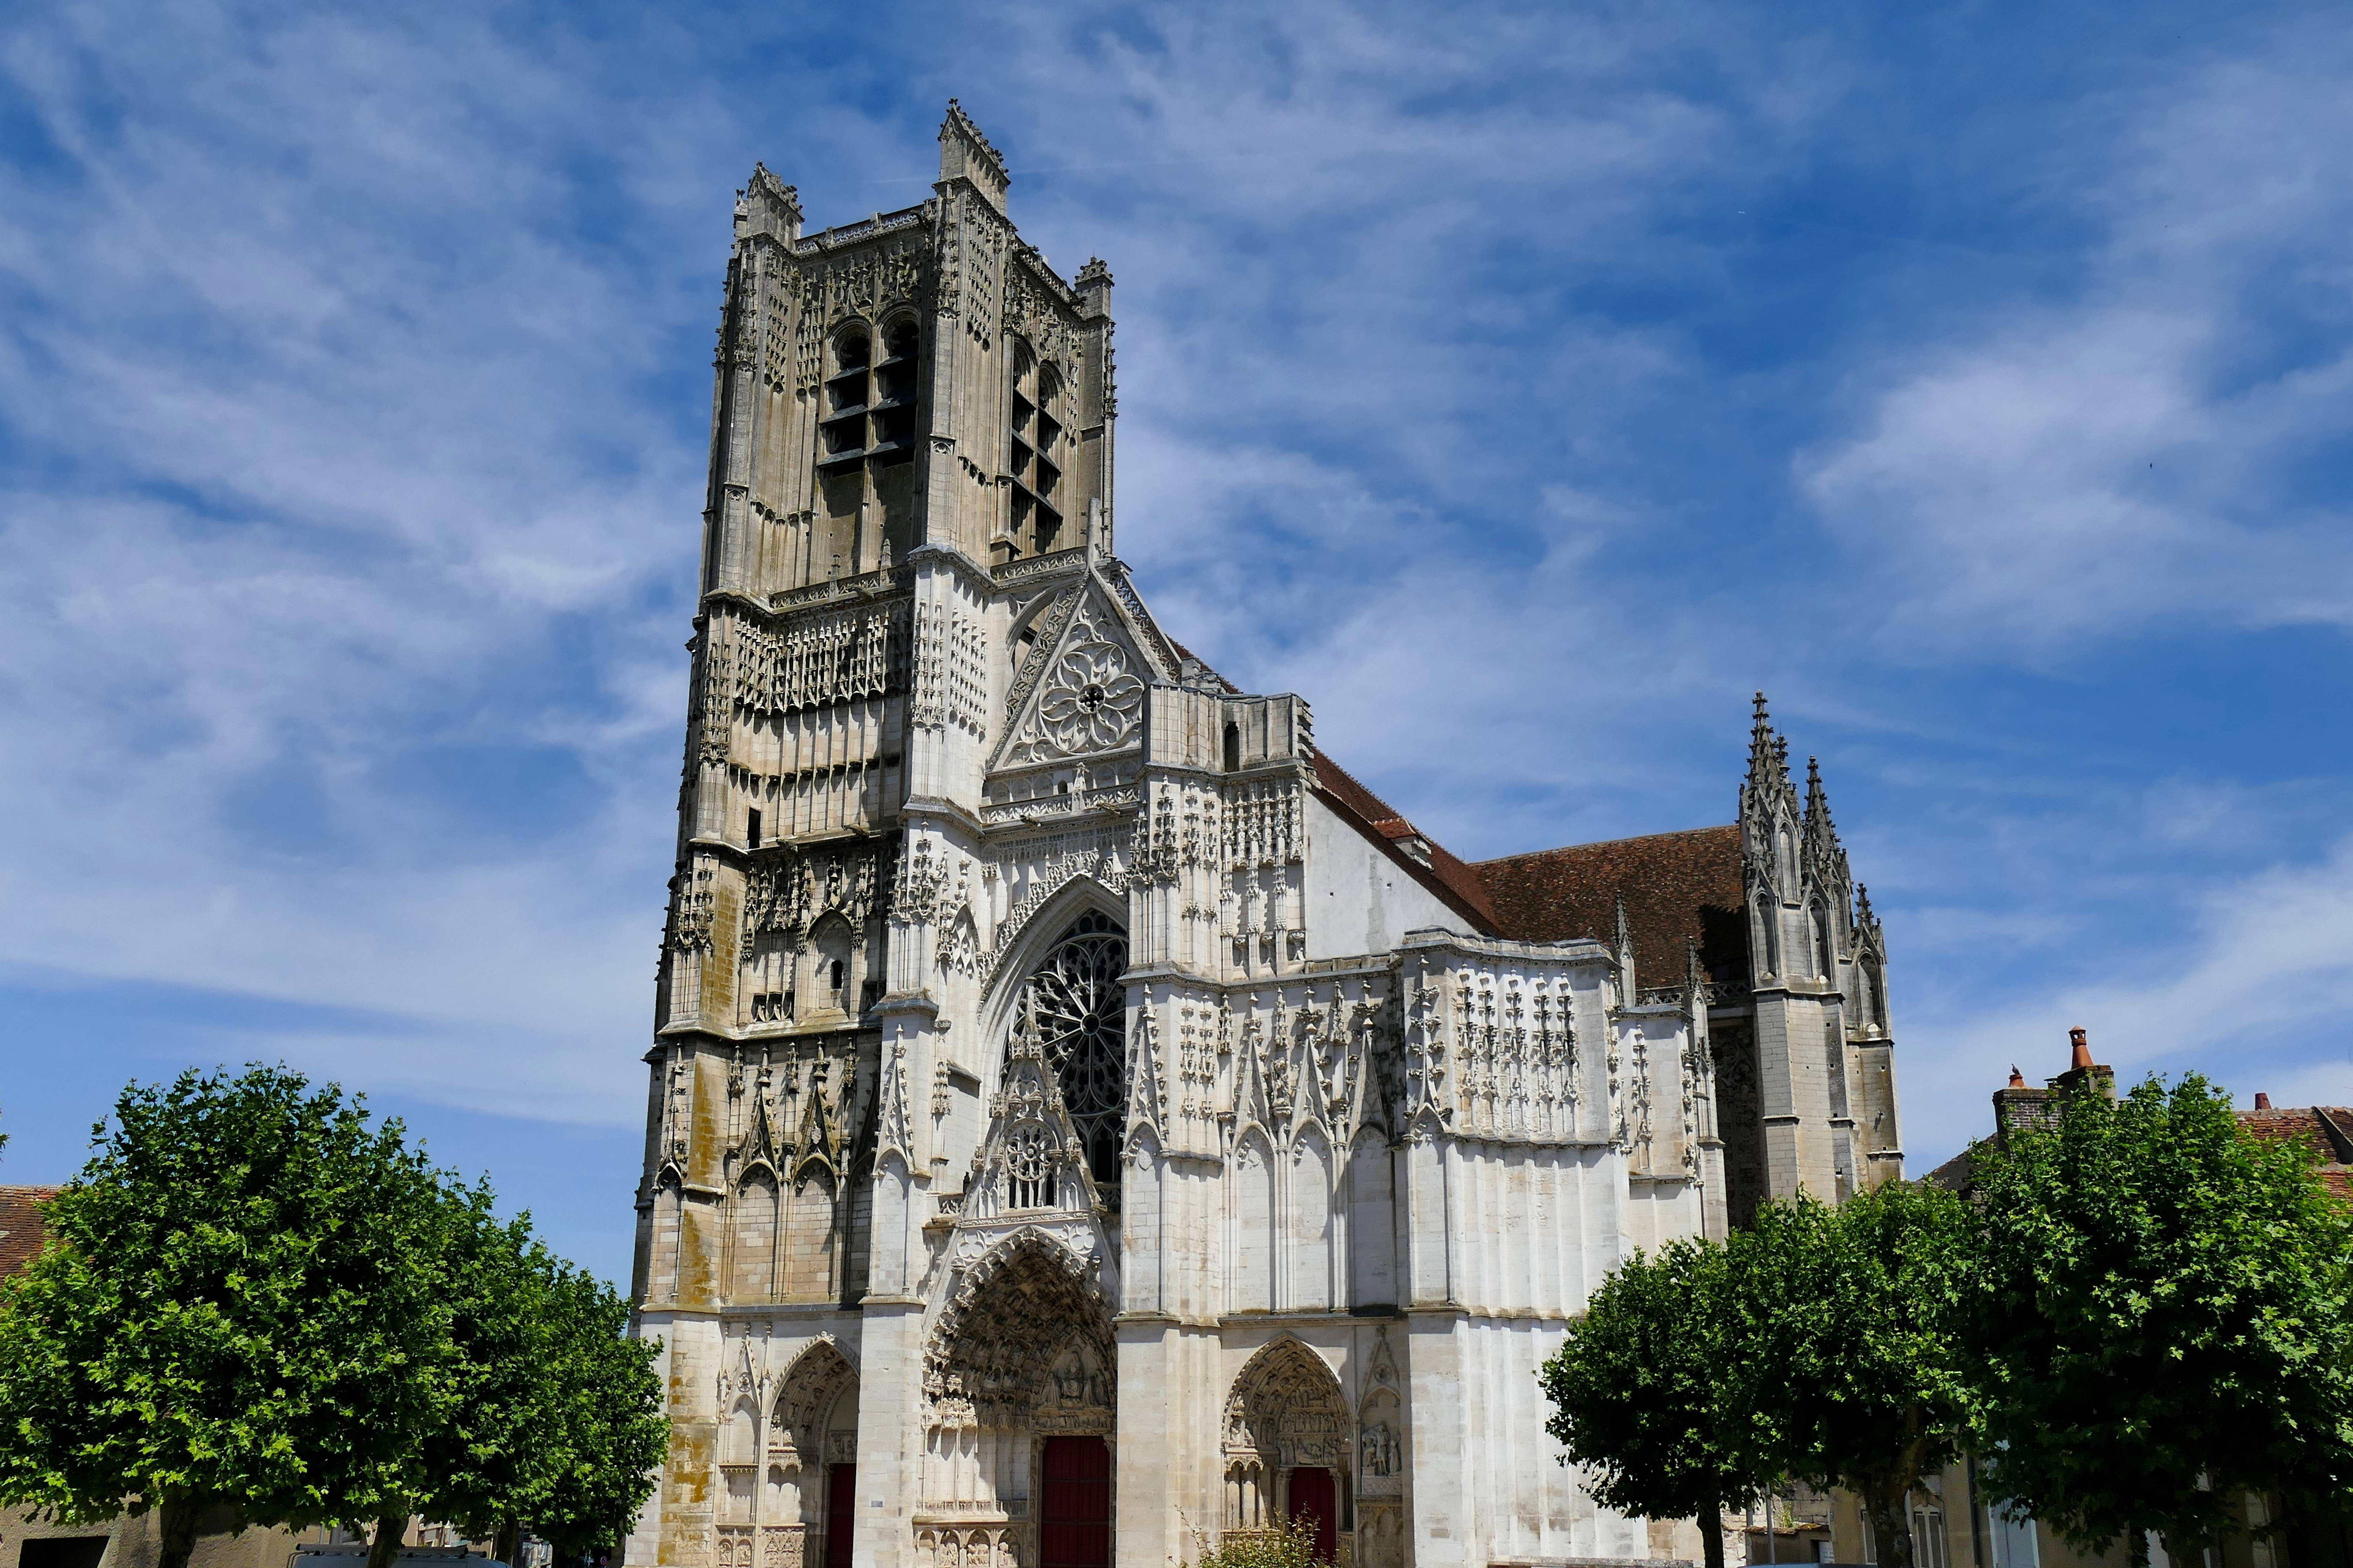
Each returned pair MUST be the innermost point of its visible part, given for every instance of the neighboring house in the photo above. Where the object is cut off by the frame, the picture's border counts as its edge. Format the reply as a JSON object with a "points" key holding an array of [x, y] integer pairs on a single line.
{"points": [[1953, 1525]]}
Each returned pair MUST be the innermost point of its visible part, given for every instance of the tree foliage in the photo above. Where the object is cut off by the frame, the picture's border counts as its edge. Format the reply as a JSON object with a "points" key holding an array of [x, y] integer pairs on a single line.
{"points": [[605, 1432], [1653, 1395], [1853, 1373], [241, 1303], [1286, 1544], [2153, 1316], [254, 1297]]}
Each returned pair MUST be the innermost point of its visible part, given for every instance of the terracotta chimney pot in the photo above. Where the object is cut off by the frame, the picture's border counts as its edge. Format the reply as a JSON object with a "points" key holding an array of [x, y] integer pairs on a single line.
{"points": [[2262, 1101], [2016, 1079], [2080, 1040]]}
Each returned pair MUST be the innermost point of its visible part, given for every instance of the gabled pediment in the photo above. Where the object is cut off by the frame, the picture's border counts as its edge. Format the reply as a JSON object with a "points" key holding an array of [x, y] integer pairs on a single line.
{"points": [[1080, 694], [1032, 1157]]}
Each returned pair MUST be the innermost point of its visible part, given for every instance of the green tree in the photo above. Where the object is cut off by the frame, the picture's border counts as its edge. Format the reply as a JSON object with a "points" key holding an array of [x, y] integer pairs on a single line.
{"points": [[1846, 1344], [2153, 1319], [241, 1302], [1652, 1393], [489, 1463], [605, 1434]]}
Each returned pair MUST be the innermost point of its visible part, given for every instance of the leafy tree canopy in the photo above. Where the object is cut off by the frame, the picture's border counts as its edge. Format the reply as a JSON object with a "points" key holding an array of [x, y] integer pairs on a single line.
{"points": [[1652, 1393], [254, 1297], [2152, 1316], [241, 1303], [1847, 1348]]}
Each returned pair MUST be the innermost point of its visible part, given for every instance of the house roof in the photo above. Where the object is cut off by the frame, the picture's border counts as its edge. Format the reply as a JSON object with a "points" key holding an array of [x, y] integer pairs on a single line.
{"points": [[2326, 1129], [21, 1225], [1680, 889]]}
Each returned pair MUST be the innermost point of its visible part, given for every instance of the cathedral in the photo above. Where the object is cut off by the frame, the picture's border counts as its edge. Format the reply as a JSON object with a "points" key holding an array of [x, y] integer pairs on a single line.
{"points": [[1084, 1122]]}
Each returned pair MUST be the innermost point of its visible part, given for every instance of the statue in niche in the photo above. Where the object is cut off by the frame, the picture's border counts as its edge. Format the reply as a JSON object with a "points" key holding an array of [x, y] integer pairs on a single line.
{"points": [[1378, 1455]]}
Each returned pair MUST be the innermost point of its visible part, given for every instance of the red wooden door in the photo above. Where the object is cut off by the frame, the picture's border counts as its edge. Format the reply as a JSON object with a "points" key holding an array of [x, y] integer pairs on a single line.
{"points": [[840, 1514], [1075, 1524], [1315, 1501]]}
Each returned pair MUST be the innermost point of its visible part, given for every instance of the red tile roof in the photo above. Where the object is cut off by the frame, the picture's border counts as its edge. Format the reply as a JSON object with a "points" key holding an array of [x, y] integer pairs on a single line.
{"points": [[2327, 1130], [1680, 889], [21, 1225]]}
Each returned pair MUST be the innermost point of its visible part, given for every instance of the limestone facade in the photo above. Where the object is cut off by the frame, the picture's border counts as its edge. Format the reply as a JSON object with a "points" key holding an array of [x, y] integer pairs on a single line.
{"points": [[1084, 1120]]}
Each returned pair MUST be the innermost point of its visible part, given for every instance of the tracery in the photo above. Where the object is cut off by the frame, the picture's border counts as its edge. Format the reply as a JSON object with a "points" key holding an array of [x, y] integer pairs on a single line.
{"points": [[1075, 1005]]}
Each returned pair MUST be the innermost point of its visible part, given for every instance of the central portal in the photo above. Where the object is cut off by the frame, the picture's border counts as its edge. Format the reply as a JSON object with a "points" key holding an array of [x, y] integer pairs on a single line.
{"points": [[1074, 1518]]}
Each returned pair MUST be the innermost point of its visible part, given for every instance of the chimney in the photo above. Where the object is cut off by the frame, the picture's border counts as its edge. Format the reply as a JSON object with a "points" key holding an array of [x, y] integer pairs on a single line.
{"points": [[2262, 1101], [2082, 1070], [2017, 1108]]}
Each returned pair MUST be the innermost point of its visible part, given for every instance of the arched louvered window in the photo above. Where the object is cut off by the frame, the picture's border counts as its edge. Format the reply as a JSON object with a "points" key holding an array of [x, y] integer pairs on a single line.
{"points": [[1035, 453]]}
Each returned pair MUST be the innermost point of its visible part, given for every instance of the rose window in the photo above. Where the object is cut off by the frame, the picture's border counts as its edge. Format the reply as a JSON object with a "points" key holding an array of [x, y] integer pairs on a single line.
{"points": [[1091, 703]]}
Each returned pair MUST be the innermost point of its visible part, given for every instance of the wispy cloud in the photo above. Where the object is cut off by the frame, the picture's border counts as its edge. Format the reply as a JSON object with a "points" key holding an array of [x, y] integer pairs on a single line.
{"points": [[2156, 443], [2253, 994], [1522, 385]]}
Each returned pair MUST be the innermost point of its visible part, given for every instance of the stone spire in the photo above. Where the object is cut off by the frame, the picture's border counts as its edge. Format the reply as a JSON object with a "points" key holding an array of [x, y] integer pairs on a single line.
{"points": [[1818, 804], [1769, 765]]}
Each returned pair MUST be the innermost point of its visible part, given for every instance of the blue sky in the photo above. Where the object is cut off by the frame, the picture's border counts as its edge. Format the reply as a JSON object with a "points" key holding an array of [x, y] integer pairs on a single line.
{"points": [[1524, 386]]}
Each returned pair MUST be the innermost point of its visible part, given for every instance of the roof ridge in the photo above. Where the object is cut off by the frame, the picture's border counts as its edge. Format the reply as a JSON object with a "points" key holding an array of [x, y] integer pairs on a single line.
{"points": [[1599, 843]]}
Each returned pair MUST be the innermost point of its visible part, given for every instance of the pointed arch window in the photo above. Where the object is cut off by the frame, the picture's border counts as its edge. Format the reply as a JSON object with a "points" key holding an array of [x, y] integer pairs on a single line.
{"points": [[1076, 1004]]}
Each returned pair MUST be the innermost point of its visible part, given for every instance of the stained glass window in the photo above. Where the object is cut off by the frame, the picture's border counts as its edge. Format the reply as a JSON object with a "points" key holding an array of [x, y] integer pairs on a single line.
{"points": [[1077, 1004]]}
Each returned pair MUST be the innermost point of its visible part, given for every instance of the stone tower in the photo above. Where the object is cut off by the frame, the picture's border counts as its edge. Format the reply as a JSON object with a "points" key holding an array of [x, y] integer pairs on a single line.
{"points": [[1825, 1081]]}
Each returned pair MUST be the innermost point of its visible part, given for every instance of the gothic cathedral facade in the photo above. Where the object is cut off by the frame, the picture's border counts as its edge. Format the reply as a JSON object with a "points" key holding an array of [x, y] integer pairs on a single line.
{"points": [[1084, 1120]]}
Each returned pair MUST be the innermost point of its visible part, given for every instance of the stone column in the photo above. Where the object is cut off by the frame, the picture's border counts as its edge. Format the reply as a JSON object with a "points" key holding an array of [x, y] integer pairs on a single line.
{"points": [[890, 1431]]}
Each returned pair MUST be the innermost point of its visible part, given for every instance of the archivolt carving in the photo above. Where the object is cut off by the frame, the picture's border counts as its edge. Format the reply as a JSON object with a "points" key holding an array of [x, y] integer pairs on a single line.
{"points": [[812, 1389], [1099, 865], [1028, 1306], [1286, 1410]]}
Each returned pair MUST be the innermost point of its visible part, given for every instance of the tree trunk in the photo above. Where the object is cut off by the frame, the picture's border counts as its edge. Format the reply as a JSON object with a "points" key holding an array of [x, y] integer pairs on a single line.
{"points": [[509, 1543], [1711, 1536], [1891, 1528], [177, 1518], [386, 1544]]}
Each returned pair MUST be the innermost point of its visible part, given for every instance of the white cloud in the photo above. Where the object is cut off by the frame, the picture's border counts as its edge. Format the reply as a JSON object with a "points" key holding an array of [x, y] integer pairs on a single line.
{"points": [[2253, 995], [2132, 454]]}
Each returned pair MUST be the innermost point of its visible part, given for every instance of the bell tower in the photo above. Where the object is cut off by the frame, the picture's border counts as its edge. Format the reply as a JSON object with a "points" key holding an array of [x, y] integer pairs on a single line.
{"points": [[911, 443], [916, 377]]}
